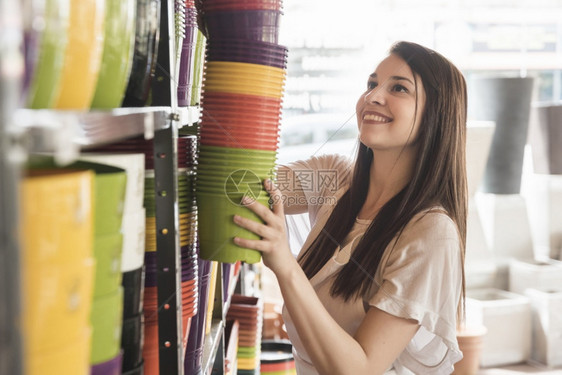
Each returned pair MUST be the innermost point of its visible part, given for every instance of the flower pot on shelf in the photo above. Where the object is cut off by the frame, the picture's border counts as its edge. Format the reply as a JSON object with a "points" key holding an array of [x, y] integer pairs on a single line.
{"points": [[507, 317], [479, 136], [546, 304], [470, 341], [507, 229], [545, 214], [545, 137], [532, 273]]}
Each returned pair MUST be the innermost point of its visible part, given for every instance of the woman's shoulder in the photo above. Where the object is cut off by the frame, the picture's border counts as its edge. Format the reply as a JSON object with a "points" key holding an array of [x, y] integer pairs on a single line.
{"points": [[431, 224], [435, 216]]}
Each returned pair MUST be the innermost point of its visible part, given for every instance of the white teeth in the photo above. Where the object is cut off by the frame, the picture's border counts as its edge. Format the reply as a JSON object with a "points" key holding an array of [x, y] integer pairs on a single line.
{"points": [[375, 118]]}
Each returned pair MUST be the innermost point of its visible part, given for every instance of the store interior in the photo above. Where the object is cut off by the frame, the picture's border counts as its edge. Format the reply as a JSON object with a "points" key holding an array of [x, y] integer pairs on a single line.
{"points": [[131, 131]]}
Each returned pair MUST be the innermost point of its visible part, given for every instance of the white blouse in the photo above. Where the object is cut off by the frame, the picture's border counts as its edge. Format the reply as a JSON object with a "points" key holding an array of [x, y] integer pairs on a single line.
{"points": [[419, 278]]}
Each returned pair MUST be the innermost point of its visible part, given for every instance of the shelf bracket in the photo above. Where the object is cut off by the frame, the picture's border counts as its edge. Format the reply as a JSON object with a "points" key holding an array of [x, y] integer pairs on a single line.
{"points": [[168, 254]]}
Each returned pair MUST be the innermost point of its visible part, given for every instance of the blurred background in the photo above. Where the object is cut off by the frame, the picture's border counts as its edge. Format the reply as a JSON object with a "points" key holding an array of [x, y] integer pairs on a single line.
{"points": [[335, 45]]}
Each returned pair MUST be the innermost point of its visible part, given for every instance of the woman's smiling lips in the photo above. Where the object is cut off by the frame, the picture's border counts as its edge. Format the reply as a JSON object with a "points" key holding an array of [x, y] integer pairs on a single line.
{"points": [[375, 118]]}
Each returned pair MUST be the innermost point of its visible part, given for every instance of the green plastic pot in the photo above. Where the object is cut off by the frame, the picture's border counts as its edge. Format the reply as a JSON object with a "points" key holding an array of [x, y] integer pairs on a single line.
{"points": [[217, 229], [269, 155], [107, 322], [45, 83], [118, 49], [108, 249]]}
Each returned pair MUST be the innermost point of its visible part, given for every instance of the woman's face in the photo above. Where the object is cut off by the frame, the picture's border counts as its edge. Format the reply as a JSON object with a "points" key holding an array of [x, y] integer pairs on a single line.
{"points": [[386, 112]]}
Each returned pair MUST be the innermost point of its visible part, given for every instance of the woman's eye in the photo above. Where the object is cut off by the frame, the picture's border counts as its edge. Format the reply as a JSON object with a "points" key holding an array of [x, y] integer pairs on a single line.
{"points": [[399, 88], [371, 85]]}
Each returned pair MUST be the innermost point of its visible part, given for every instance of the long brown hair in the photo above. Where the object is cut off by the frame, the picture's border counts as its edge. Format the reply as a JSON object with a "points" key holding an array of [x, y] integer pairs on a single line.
{"points": [[439, 178]]}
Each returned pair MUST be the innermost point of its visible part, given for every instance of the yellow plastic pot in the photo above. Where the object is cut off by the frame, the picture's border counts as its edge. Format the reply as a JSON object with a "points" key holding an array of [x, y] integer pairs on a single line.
{"points": [[72, 358], [57, 300], [57, 216], [245, 67], [243, 89], [83, 54]]}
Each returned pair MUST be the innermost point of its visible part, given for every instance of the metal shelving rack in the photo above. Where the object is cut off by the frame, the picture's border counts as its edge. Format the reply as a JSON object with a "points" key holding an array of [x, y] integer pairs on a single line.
{"points": [[63, 134], [10, 80]]}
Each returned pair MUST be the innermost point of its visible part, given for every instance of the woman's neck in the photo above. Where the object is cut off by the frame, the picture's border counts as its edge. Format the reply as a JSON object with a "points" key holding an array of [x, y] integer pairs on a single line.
{"points": [[390, 172]]}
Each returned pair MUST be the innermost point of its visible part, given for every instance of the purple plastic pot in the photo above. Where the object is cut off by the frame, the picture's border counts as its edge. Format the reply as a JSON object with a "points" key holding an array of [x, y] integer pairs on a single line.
{"points": [[188, 276], [242, 46], [189, 251], [150, 261], [262, 25], [225, 279], [191, 17], [282, 64], [111, 367], [193, 360], [226, 52], [150, 280], [186, 66], [195, 341], [31, 40]]}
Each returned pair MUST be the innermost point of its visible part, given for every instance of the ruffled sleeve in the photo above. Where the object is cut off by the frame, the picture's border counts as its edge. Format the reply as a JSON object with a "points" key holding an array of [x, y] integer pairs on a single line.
{"points": [[420, 278]]}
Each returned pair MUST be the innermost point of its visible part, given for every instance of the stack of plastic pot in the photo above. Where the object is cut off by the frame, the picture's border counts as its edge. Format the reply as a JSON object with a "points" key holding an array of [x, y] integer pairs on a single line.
{"points": [[132, 259], [277, 358], [80, 56], [107, 307], [198, 67], [63, 56], [231, 330], [187, 161], [242, 98], [248, 311], [83, 55], [57, 270], [194, 351], [187, 58], [118, 51], [229, 273]]}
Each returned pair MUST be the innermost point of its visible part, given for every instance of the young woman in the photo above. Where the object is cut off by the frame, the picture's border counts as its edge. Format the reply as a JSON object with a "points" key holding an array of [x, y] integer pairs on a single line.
{"points": [[379, 283]]}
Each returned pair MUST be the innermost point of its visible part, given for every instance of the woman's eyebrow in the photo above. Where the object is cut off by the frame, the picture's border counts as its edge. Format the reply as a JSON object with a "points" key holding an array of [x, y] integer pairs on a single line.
{"points": [[394, 78]]}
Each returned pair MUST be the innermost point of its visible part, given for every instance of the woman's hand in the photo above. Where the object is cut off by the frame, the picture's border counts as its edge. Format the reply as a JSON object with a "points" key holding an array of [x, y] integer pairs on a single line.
{"points": [[273, 244]]}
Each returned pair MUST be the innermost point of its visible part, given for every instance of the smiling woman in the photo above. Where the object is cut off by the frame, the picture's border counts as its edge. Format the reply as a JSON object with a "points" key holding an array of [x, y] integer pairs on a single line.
{"points": [[389, 112], [380, 277]]}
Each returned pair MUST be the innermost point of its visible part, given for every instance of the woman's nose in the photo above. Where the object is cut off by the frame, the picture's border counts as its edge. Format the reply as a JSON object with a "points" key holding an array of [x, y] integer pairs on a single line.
{"points": [[376, 95]]}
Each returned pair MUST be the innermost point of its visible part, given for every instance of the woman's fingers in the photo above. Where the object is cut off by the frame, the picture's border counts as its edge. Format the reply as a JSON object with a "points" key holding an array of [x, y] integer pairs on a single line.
{"points": [[272, 233], [259, 209], [250, 244], [276, 197], [258, 228]]}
